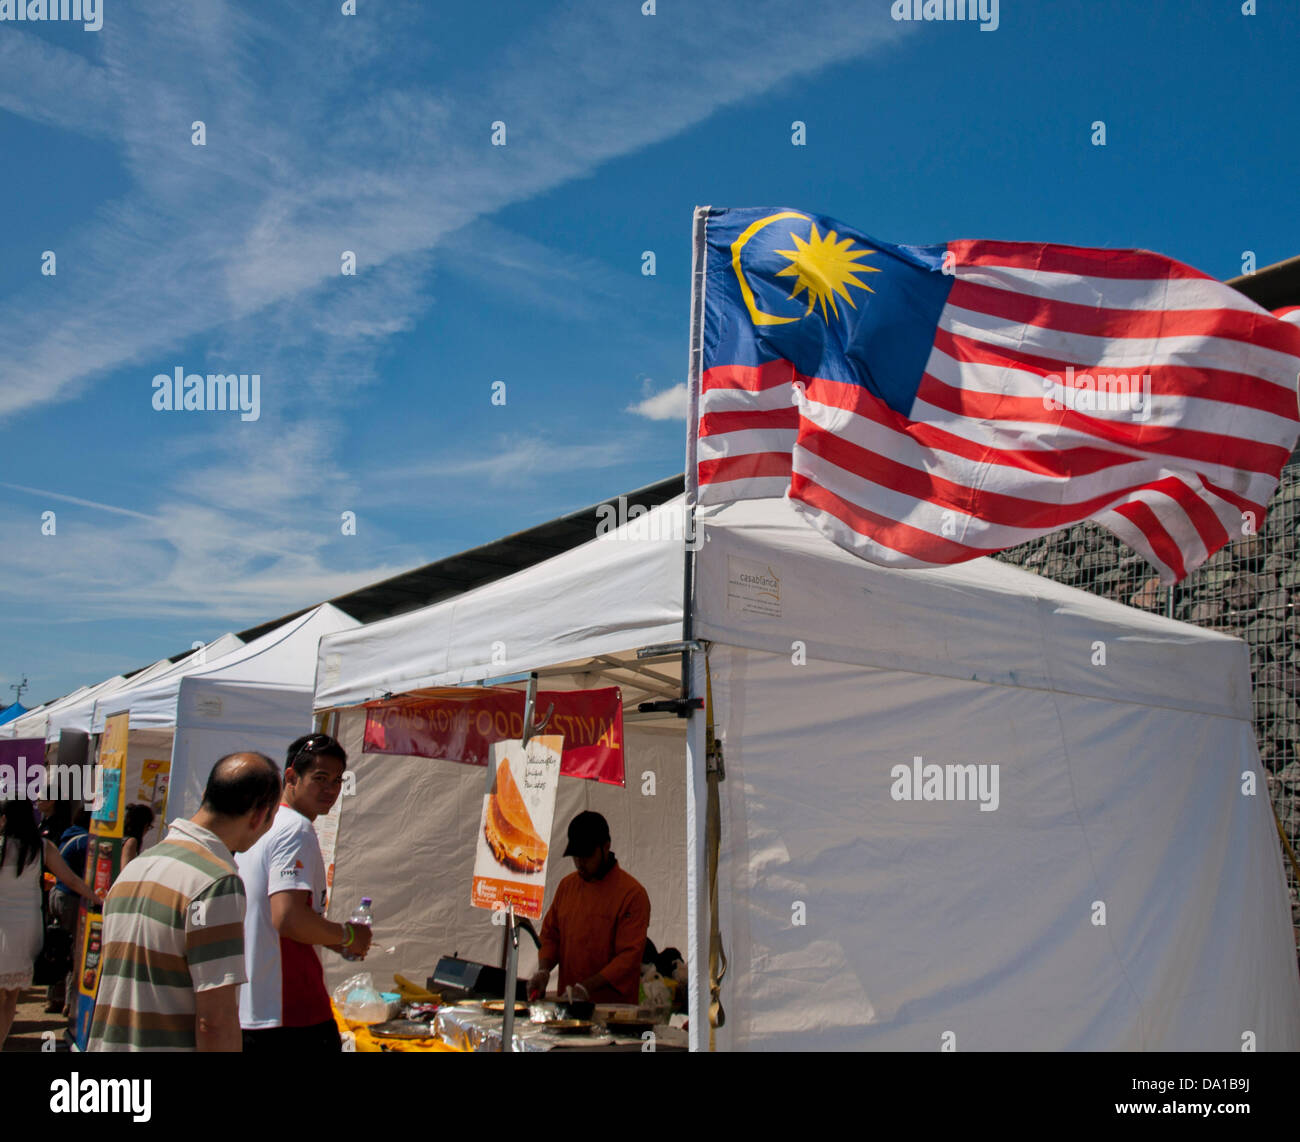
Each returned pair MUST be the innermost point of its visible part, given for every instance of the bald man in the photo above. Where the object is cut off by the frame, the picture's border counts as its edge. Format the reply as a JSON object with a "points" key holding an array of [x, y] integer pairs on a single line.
{"points": [[173, 934]]}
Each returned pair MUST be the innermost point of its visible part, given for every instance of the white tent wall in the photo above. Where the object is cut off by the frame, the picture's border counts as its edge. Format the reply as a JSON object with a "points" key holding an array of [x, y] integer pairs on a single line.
{"points": [[406, 837], [218, 718], [927, 917]]}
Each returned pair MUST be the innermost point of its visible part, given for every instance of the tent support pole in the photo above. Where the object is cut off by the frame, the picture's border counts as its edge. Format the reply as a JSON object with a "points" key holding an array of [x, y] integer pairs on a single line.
{"points": [[512, 974]]}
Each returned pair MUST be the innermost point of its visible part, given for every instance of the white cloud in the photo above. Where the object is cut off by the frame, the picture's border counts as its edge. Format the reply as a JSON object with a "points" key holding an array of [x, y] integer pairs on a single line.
{"points": [[259, 216], [234, 248], [671, 404]]}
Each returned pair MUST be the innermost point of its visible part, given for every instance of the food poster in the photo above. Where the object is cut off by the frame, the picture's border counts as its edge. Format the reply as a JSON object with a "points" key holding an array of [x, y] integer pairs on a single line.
{"points": [[154, 777], [110, 812], [103, 862], [515, 826]]}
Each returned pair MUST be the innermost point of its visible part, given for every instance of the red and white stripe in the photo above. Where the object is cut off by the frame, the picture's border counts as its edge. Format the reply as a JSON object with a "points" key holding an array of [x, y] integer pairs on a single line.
{"points": [[981, 464]]}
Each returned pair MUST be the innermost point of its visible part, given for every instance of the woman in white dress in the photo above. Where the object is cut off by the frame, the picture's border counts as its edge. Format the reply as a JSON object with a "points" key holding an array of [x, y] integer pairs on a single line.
{"points": [[21, 853]]}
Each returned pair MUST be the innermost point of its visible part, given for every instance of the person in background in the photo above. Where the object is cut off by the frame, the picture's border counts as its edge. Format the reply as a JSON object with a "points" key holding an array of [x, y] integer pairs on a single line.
{"points": [[285, 1007], [64, 902], [138, 821], [596, 926], [56, 816], [22, 852], [173, 939]]}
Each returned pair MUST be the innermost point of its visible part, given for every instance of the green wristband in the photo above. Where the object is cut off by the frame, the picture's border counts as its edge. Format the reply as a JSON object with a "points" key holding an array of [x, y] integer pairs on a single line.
{"points": [[348, 935]]}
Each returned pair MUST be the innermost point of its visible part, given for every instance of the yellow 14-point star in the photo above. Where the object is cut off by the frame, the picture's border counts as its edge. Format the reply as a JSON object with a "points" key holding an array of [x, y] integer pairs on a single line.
{"points": [[823, 267]]}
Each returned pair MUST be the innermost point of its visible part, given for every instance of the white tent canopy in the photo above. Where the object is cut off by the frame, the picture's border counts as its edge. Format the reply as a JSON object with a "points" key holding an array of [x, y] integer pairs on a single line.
{"points": [[77, 715], [114, 703], [86, 715], [34, 723], [1124, 893], [33, 712], [258, 697]]}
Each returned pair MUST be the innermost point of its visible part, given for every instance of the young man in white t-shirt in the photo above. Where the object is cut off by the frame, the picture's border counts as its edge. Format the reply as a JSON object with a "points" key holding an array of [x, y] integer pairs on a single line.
{"points": [[284, 1005]]}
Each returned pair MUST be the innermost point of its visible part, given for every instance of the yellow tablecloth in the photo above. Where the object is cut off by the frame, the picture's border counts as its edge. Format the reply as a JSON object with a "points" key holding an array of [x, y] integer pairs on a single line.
{"points": [[362, 1040]]}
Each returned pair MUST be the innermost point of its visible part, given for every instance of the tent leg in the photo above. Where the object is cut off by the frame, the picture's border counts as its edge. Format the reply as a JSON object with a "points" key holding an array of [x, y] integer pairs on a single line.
{"points": [[512, 975], [697, 904]]}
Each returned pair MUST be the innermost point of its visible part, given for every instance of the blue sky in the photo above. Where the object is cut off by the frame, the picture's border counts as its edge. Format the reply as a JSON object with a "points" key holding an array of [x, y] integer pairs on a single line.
{"points": [[518, 263]]}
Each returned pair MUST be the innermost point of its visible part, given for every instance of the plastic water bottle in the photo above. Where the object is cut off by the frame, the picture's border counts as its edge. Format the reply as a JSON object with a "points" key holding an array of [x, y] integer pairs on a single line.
{"points": [[361, 918]]}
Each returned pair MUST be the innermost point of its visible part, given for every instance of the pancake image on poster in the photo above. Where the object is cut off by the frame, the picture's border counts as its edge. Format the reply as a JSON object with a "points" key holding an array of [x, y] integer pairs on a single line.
{"points": [[509, 829]]}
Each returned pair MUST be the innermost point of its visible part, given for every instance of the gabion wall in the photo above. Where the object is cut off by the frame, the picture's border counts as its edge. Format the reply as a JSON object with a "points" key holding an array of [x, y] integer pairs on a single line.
{"points": [[1249, 589]]}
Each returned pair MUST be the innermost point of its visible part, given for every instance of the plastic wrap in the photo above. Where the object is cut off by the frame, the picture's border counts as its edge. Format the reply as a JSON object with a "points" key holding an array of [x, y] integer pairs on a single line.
{"points": [[359, 1000]]}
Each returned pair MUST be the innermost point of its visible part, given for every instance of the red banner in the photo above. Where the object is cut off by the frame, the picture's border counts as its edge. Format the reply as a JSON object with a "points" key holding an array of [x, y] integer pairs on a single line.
{"points": [[461, 724]]}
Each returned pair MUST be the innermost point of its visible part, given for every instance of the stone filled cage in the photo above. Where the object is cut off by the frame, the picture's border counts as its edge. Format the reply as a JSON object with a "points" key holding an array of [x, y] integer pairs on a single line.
{"points": [[1250, 589]]}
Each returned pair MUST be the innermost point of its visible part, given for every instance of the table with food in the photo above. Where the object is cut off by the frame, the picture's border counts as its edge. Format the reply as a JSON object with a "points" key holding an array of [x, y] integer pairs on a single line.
{"points": [[448, 1016]]}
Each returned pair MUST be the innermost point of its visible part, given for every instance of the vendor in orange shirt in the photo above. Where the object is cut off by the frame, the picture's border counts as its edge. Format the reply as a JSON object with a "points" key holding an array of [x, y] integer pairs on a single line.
{"points": [[596, 926]]}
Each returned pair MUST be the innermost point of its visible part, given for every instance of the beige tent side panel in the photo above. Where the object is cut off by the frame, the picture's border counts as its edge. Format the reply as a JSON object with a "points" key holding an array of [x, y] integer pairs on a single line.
{"points": [[407, 839], [142, 746]]}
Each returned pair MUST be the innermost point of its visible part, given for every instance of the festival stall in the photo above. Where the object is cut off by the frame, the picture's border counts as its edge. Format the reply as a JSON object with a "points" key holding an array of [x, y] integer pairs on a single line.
{"points": [[148, 748], [966, 808], [160, 738]]}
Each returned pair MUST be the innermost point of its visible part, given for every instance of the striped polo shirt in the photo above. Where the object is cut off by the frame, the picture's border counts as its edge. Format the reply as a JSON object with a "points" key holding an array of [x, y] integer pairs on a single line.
{"points": [[173, 926]]}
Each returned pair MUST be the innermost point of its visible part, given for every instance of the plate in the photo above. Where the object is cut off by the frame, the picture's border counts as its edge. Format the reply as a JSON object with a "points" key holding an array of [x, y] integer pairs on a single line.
{"points": [[499, 1005]]}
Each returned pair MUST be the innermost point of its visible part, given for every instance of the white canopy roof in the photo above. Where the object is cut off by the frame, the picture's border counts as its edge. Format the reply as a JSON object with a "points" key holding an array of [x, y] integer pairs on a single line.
{"points": [[281, 659], [35, 713], [983, 620], [77, 715], [32, 724], [119, 700]]}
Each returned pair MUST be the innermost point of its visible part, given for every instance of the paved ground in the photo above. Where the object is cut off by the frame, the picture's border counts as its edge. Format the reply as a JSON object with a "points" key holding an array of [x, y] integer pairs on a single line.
{"points": [[31, 1021]]}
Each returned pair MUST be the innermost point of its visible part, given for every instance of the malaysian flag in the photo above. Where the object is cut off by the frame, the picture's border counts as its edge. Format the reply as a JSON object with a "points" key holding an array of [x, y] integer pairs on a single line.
{"points": [[925, 405]]}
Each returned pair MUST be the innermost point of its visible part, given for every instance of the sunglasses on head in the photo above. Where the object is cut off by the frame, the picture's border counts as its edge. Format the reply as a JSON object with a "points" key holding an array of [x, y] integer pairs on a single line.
{"points": [[313, 744]]}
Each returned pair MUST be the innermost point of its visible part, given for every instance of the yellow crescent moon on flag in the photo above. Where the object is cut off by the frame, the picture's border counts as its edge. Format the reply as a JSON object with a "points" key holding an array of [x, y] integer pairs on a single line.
{"points": [[756, 315]]}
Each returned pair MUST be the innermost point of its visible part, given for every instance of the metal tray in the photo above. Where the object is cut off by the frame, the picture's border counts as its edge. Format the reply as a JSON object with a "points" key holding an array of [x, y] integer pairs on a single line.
{"points": [[402, 1029]]}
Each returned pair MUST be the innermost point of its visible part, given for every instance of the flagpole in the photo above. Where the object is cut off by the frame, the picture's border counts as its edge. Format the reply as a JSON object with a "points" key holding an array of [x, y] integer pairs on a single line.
{"points": [[698, 930], [693, 372]]}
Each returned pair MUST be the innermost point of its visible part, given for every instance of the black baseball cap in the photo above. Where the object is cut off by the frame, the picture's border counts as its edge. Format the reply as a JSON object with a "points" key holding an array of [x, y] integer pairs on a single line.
{"points": [[587, 831]]}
